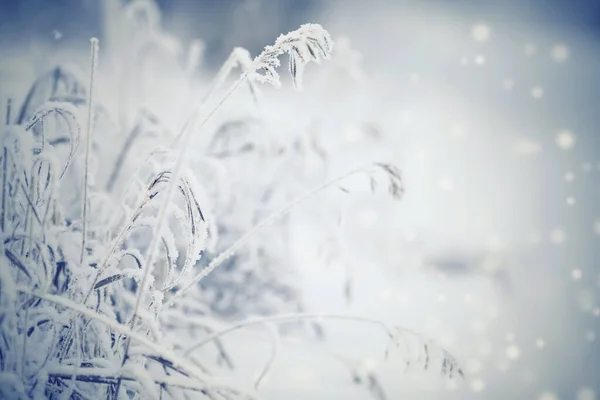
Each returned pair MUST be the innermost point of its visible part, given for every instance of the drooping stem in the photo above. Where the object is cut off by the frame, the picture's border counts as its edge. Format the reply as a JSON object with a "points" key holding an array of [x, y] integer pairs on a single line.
{"points": [[8, 110], [4, 188], [284, 318], [103, 319], [31, 213], [164, 207], [94, 56], [216, 84], [226, 254], [4, 171]]}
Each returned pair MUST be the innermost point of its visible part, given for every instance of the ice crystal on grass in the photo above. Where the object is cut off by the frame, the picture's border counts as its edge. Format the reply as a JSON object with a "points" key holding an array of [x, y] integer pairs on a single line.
{"points": [[308, 43]]}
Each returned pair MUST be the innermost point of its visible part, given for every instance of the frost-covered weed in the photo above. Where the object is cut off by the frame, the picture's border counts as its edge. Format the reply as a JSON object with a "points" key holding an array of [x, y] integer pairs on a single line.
{"points": [[105, 286]]}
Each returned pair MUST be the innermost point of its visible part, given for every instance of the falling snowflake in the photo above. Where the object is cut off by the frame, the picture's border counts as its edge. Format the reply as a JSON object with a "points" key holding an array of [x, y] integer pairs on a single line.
{"points": [[527, 146], [480, 33], [560, 53], [537, 92], [540, 343], [477, 385], [576, 274], [586, 393], [565, 139], [548, 396], [569, 176], [479, 59], [570, 200], [513, 352], [557, 236]]}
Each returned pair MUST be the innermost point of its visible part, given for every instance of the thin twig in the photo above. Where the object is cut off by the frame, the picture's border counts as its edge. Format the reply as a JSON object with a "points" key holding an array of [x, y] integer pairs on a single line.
{"points": [[4, 188], [24, 348], [94, 56], [283, 318], [222, 257]]}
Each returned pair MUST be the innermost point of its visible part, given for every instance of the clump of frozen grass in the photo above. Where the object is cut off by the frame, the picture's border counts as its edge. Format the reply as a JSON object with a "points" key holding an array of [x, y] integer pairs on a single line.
{"points": [[94, 304], [309, 43]]}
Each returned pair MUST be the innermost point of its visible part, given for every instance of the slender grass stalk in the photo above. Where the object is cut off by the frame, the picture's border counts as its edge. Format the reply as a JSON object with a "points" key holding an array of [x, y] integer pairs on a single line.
{"points": [[31, 214], [105, 376], [94, 56], [116, 242], [8, 110], [87, 312], [164, 208], [4, 187], [4, 170], [78, 360], [274, 351], [215, 85], [24, 347], [285, 318], [84, 217], [222, 257]]}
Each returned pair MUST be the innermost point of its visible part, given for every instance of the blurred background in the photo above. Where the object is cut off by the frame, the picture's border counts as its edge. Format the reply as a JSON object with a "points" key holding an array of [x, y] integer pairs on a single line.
{"points": [[489, 108]]}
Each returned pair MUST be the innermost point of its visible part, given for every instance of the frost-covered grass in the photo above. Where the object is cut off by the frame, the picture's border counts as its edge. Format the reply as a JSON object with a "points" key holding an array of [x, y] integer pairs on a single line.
{"points": [[113, 221]]}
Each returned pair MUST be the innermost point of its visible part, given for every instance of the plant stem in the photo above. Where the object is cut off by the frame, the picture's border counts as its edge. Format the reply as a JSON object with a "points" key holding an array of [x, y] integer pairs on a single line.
{"points": [[164, 208], [4, 177], [215, 84], [90, 313], [4, 170], [222, 257], [8, 110], [94, 56], [24, 348], [284, 318]]}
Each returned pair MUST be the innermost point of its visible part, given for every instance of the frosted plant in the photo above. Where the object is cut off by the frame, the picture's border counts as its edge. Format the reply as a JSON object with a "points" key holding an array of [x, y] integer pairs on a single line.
{"points": [[309, 43], [103, 255], [238, 57]]}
